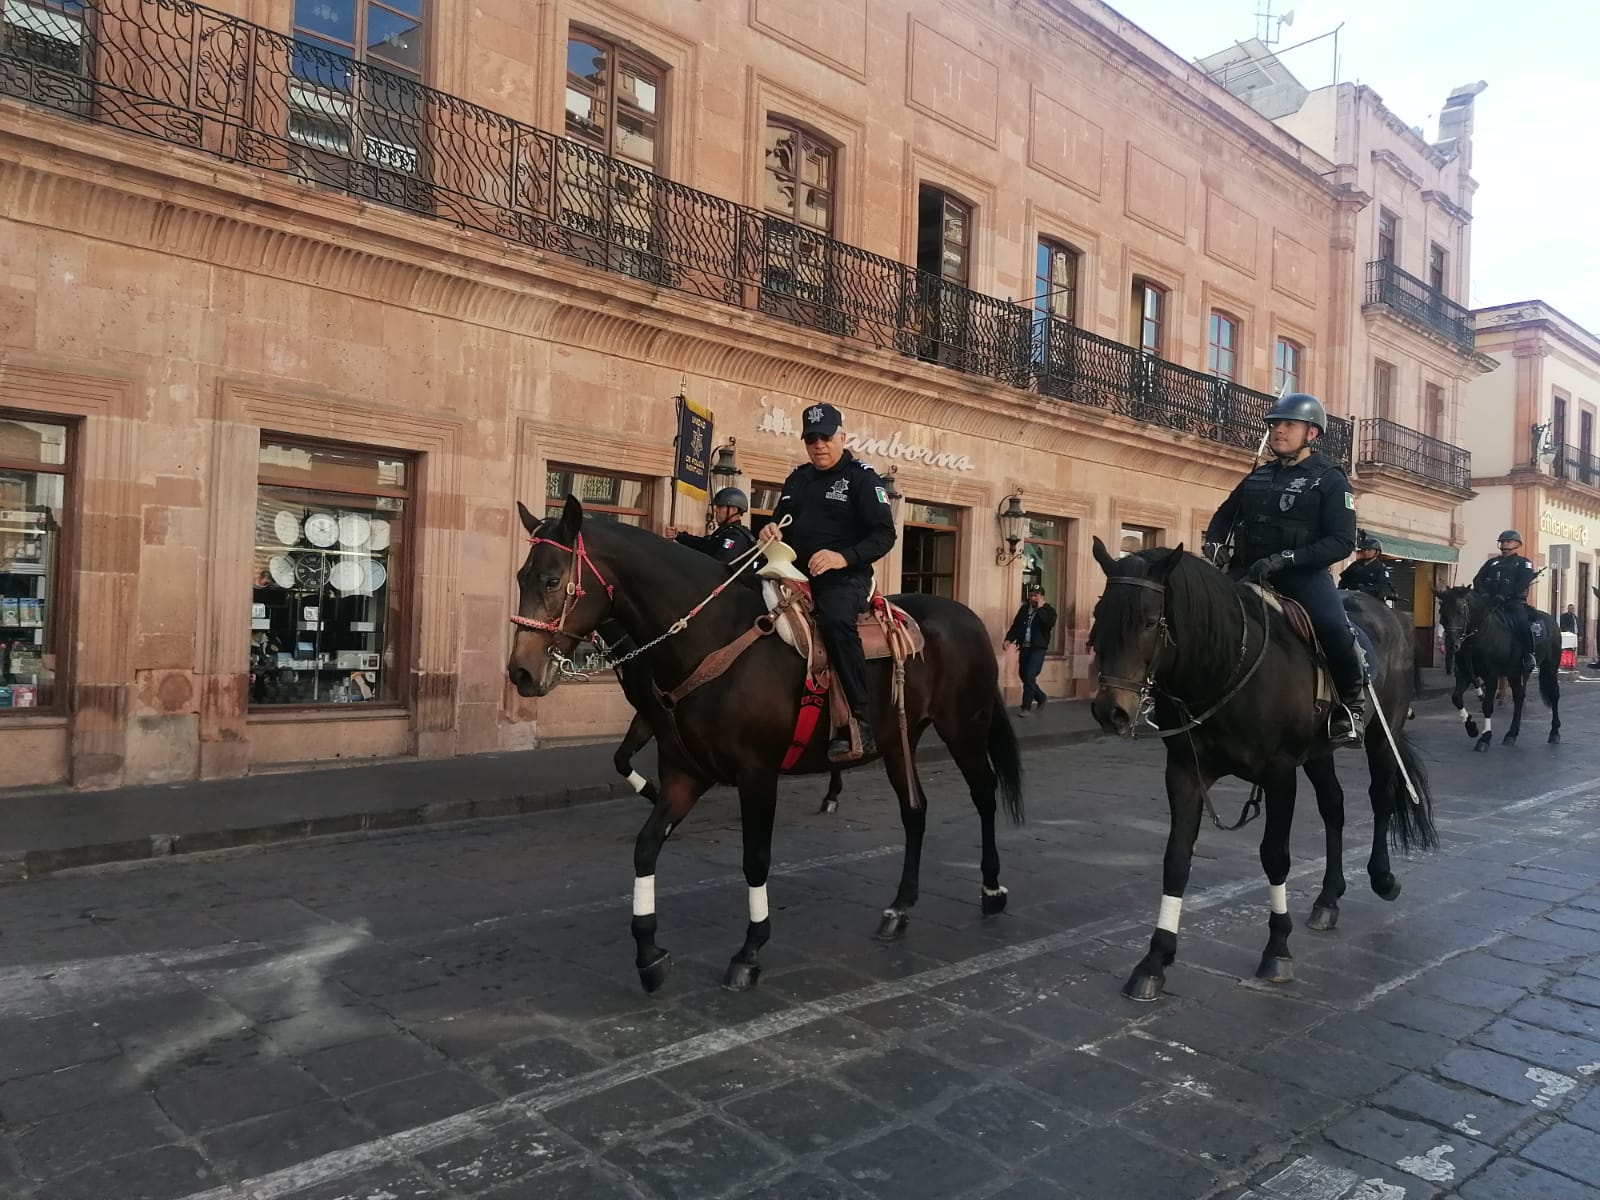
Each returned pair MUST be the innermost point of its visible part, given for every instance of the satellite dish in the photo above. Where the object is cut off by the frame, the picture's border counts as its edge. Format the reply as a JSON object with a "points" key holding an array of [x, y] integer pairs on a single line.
{"points": [[1287, 18]]}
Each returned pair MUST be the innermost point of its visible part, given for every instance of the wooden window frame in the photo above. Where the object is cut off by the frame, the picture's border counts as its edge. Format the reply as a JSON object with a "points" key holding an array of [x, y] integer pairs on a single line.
{"points": [[954, 529], [620, 56], [1143, 289], [1438, 268], [1383, 376], [60, 579], [1388, 237], [1057, 594], [1046, 304], [1220, 322], [1282, 375]]}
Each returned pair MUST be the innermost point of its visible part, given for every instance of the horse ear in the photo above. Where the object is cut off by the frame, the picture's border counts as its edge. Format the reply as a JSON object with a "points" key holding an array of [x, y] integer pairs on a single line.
{"points": [[1103, 556], [571, 519], [529, 521], [1437, 594], [1168, 564]]}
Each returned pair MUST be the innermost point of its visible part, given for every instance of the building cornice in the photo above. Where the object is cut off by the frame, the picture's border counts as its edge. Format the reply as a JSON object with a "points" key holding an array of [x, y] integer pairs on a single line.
{"points": [[1446, 205], [1541, 320]]}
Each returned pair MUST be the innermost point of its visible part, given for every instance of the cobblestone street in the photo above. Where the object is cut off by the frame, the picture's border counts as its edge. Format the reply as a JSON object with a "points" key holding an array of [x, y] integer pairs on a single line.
{"points": [[454, 1012]]}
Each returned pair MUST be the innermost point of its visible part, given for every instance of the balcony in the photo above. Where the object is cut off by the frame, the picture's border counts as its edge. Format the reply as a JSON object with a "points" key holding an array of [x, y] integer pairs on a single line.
{"points": [[1416, 301], [1387, 444], [193, 77], [1576, 465]]}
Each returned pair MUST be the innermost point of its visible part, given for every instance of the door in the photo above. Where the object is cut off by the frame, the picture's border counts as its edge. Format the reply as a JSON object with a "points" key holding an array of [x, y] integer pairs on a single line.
{"points": [[1582, 601]]}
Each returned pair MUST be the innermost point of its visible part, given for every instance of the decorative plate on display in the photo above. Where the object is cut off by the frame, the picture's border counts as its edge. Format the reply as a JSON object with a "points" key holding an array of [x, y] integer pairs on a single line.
{"points": [[287, 526], [322, 530], [281, 570], [354, 530], [310, 570], [347, 575], [378, 538], [376, 575]]}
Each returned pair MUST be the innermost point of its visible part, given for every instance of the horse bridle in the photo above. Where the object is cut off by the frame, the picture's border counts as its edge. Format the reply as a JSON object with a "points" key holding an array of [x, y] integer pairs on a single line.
{"points": [[575, 592], [1146, 689]]}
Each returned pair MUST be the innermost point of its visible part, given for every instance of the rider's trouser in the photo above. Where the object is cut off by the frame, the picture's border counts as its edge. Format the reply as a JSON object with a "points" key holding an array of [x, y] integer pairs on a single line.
{"points": [[839, 597]]}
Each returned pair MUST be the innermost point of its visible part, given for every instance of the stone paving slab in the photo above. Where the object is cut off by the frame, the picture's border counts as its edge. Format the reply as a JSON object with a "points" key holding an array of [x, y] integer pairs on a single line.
{"points": [[454, 1014]]}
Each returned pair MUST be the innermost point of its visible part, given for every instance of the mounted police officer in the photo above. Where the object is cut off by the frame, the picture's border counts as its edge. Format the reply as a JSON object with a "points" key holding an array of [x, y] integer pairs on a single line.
{"points": [[841, 525], [1369, 573], [730, 539], [1505, 581], [1291, 519]]}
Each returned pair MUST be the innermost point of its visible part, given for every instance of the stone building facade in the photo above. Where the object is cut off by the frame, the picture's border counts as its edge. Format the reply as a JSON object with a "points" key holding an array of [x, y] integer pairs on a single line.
{"points": [[297, 299]]}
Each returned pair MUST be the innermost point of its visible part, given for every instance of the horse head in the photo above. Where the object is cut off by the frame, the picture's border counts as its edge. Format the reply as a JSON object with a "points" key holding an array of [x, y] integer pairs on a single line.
{"points": [[1455, 614], [561, 599], [1129, 632]]}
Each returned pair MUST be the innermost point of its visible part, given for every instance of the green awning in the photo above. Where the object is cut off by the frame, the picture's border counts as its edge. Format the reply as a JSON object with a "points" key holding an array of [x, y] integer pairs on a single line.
{"points": [[1399, 547]]}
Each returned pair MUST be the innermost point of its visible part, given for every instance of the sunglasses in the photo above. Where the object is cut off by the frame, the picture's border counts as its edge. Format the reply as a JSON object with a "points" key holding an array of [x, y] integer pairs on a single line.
{"points": [[811, 439]]}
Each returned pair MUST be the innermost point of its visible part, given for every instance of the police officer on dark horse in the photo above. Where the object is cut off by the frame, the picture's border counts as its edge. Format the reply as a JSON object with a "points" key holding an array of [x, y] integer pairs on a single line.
{"points": [[1369, 573], [1504, 581], [1291, 519]]}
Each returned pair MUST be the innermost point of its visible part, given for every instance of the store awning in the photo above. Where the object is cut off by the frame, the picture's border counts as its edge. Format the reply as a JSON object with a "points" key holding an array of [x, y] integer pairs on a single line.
{"points": [[1400, 547]]}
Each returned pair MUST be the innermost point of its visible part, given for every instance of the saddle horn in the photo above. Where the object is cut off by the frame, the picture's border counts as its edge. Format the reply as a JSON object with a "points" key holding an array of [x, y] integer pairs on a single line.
{"points": [[780, 562]]}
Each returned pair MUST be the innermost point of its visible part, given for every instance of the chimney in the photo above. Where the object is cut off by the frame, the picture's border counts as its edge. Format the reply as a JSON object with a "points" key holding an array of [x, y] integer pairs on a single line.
{"points": [[1455, 122]]}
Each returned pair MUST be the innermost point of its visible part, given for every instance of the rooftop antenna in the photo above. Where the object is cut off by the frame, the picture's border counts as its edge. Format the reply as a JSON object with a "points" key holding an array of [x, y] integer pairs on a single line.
{"points": [[1269, 27]]}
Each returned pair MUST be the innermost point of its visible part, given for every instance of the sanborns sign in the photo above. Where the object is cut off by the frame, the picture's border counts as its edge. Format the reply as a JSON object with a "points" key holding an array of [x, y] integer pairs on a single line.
{"points": [[775, 420], [1552, 523]]}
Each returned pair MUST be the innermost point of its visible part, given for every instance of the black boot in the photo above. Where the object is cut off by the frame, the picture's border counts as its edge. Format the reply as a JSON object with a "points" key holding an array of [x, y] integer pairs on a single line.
{"points": [[839, 746], [1346, 719]]}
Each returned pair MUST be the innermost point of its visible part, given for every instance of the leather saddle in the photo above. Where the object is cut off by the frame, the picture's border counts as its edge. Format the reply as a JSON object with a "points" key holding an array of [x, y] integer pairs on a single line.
{"points": [[887, 630], [1299, 622]]}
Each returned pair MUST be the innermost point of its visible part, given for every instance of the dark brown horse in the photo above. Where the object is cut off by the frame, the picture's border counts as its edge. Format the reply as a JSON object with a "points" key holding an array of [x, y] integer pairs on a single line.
{"points": [[737, 728]]}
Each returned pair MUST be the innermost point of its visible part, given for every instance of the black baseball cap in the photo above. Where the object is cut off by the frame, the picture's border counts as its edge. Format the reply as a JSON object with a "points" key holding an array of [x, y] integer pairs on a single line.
{"points": [[822, 419], [1036, 589]]}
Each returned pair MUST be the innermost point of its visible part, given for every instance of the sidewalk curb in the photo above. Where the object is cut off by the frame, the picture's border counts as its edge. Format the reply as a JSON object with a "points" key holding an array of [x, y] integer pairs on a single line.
{"points": [[20, 866]]}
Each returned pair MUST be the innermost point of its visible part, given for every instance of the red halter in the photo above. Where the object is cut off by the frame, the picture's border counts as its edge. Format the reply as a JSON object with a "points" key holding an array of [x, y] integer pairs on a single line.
{"points": [[575, 591]]}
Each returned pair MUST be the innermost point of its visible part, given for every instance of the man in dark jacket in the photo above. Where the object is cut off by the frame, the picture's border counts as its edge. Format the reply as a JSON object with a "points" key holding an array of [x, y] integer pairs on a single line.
{"points": [[730, 539], [1030, 633], [1291, 519], [841, 525], [1369, 573], [1504, 581]]}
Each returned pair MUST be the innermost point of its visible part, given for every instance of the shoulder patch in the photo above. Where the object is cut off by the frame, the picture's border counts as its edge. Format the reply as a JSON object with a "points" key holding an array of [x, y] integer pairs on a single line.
{"points": [[727, 543], [1350, 500], [883, 496]]}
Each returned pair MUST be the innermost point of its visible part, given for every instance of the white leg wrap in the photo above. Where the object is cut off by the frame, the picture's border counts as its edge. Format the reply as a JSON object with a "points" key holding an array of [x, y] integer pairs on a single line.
{"points": [[1279, 892], [758, 904], [1487, 722], [636, 781], [1171, 909], [644, 895], [1465, 716]]}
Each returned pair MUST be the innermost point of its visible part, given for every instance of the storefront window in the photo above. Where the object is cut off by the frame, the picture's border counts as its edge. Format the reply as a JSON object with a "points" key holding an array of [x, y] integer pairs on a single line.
{"points": [[33, 478], [928, 560], [1139, 537], [1044, 558], [605, 498], [328, 583], [763, 499]]}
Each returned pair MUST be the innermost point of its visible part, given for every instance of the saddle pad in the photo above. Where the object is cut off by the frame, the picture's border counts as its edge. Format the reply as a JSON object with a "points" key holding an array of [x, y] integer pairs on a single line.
{"points": [[1299, 622]]}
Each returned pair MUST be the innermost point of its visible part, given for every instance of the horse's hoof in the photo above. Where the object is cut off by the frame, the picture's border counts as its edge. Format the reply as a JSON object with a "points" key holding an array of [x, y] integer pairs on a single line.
{"points": [[1144, 988], [741, 976], [1471, 728], [1411, 714], [1554, 739], [1390, 893], [828, 806], [654, 974], [1510, 739], [893, 926], [994, 904], [1323, 917], [1482, 743], [1275, 970]]}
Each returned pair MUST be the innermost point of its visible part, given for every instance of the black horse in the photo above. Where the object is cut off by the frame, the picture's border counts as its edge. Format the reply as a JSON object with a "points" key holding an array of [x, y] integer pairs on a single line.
{"points": [[1232, 688], [676, 606], [1487, 651], [636, 684]]}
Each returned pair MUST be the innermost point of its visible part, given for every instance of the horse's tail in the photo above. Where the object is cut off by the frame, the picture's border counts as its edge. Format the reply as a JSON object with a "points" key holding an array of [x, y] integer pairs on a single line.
{"points": [[1549, 681], [1005, 757], [1411, 824]]}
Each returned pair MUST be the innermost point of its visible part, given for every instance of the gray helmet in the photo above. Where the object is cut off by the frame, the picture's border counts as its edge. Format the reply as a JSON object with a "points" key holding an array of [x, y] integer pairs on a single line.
{"points": [[1510, 535], [1367, 542], [1299, 406], [731, 497]]}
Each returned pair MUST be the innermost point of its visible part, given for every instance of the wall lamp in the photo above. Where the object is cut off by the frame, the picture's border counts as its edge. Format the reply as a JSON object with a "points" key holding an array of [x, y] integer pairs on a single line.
{"points": [[1013, 520], [726, 467]]}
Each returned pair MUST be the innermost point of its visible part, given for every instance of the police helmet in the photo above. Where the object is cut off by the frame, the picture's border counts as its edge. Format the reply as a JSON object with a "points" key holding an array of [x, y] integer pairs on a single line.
{"points": [[731, 497], [1299, 406], [1367, 542], [1510, 535]]}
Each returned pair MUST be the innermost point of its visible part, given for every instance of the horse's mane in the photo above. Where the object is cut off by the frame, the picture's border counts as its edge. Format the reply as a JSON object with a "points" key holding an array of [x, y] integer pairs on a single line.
{"points": [[1201, 607]]}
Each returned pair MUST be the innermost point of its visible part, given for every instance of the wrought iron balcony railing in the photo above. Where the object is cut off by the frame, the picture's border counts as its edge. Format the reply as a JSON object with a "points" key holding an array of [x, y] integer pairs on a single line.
{"points": [[1577, 465], [193, 77], [1388, 285], [1387, 444]]}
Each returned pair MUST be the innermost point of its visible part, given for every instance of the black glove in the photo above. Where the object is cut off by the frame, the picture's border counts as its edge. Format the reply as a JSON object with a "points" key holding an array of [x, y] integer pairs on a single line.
{"points": [[1263, 567]]}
